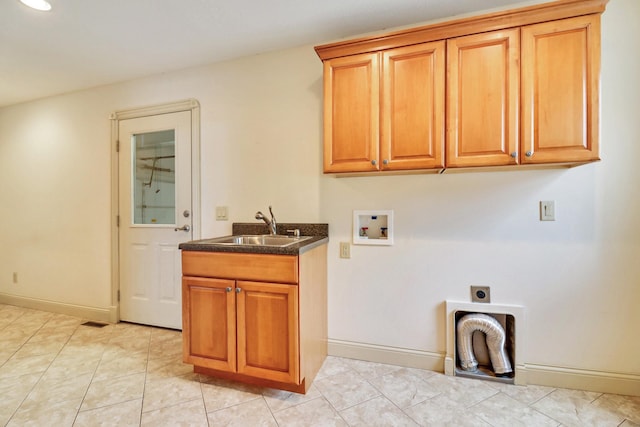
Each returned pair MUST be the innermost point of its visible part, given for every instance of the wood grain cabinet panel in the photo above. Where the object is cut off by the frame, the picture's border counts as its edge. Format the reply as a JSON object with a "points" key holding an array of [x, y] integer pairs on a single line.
{"points": [[351, 109], [483, 99], [517, 87], [560, 90], [268, 331], [209, 323], [260, 332], [412, 115]]}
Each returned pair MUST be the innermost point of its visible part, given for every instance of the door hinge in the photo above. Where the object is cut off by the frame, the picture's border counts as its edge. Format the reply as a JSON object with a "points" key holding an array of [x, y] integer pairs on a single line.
{"points": [[117, 220], [117, 146], [118, 295]]}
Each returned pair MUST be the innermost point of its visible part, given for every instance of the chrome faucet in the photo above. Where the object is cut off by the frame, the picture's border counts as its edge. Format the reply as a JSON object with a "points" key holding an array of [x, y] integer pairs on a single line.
{"points": [[271, 223]]}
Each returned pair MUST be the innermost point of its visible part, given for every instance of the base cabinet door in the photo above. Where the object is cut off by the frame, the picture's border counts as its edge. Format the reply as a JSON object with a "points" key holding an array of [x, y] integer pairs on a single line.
{"points": [[560, 90], [209, 323], [267, 316]]}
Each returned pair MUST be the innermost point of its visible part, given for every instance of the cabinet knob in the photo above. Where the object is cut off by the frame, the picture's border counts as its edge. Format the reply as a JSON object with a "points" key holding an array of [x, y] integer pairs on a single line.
{"points": [[514, 154], [238, 290], [229, 289], [374, 162], [529, 153], [385, 162]]}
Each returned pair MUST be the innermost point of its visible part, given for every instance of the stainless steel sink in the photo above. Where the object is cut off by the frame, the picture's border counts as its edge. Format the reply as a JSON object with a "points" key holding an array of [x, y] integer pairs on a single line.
{"points": [[256, 240]]}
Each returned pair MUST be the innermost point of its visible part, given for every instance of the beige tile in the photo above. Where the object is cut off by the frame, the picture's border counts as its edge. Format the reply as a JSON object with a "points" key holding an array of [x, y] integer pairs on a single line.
{"points": [[121, 365], [466, 392], [45, 413], [49, 361], [165, 392], [165, 367], [254, 413], [404, 388], [123, 414], [370, 370], [187, 414], [40, 347], [345, 390], [627, 406], [61, 388], [501, 410], [110, 392], [525, 394], [13, 391], [316, 412], [165, 343], [573, 408], [67, 366], [277, 400], [219, 394], [18, 366], [442, 410], [333, 366], [378, 411]]}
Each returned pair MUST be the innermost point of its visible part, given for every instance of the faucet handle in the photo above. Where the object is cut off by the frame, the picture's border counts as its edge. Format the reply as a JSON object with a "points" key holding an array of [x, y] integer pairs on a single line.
{"points": [[295, 231]]}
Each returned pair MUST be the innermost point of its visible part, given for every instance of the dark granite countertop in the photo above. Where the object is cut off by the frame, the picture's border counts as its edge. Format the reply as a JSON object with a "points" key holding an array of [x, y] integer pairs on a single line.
{"points": [[319, 233]]}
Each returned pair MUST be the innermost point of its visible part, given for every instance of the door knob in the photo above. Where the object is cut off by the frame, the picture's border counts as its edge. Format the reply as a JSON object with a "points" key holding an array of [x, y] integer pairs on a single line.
{"points": [[185, 227]]}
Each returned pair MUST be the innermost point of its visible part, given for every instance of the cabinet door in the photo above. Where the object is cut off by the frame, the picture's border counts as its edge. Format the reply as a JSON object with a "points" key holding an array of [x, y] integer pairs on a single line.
{"points": [[267, 315], [412, 115], [560, 79], [483, 97], [351, 110], [209, 323]]}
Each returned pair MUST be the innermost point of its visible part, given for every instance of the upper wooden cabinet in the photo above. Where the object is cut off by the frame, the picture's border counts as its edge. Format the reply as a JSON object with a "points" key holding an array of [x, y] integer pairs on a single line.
{"points": [[560, 90], [352, 102], [515, 87], [482, 99], [385, 111]]}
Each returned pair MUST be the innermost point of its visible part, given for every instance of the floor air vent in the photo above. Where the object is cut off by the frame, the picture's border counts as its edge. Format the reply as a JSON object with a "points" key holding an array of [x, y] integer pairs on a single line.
{"points": [[94, 324]]}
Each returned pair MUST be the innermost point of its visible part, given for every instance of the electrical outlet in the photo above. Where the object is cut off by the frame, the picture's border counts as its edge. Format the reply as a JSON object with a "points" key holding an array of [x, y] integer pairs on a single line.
{"points": [[480, 294], [547, 210], [345, 250]]}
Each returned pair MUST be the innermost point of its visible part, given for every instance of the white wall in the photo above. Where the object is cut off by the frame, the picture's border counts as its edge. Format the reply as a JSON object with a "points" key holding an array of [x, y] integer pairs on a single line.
{"points": [[577, 277]]}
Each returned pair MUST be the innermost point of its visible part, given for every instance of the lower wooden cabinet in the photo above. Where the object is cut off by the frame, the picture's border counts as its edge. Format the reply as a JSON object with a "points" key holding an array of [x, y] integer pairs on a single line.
{"points": [[260, 332]]}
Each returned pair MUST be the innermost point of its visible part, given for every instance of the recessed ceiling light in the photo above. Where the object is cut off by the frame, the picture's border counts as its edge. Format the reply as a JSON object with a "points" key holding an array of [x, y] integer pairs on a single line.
{"points": [[43, 5]]}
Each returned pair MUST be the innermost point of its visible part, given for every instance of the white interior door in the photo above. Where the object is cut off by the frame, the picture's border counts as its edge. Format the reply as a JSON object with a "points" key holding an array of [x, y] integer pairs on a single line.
{"points": [[155, 216]]}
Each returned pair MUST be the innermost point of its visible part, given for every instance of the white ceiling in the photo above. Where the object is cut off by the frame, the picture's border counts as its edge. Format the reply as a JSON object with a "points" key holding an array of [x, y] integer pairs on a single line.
{"points": [[87, 43]]}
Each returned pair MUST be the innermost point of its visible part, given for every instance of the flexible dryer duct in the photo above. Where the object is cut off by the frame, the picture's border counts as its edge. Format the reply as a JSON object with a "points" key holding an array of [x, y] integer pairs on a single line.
{"points": [[495, 337]]}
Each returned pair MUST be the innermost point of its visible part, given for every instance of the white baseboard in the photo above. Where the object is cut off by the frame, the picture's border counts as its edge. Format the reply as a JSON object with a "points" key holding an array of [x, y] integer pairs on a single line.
{"points": [[109, 315], [580, 379], [598, 381], [389, 355]]}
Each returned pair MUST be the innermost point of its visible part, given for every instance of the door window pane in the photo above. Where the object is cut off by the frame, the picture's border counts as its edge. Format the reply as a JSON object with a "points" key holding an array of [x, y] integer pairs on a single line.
{"points": [[154, 177]]}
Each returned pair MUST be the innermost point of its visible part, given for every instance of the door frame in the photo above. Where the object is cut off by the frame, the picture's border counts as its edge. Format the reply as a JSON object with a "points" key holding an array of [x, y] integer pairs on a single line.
{"points": [[191, 105]]}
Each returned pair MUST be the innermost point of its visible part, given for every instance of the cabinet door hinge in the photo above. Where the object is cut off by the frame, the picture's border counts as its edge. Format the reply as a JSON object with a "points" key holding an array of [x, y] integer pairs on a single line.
{"points": [[118, 295]]}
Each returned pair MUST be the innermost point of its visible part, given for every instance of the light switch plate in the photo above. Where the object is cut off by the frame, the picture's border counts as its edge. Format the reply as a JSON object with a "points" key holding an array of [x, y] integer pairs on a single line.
{"points": [[547, 210], [222, 213]]}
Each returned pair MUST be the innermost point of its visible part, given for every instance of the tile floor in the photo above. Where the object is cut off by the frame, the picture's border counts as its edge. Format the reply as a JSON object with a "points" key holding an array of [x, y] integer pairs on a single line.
{"points": [[56, 372]]}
